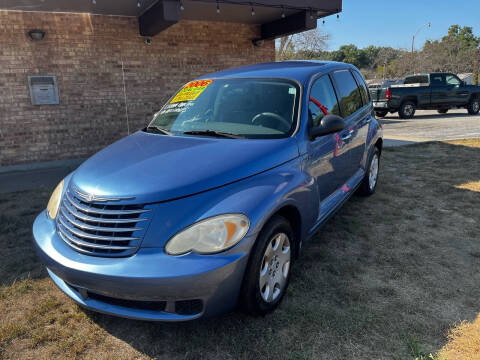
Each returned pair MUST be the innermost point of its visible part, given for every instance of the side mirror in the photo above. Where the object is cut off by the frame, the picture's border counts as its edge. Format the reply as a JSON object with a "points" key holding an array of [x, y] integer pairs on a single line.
{"points": [[328, 125]]}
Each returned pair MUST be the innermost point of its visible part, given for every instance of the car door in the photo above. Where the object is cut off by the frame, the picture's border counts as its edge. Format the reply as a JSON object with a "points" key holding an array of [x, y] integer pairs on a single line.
{"points": [[439, 90], [458, 94], [327, 158], [364, 120], [353, 137]]}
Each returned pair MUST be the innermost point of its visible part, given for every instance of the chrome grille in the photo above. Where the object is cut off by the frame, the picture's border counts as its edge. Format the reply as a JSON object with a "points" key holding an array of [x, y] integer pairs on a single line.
{"points": [[101, 227]]}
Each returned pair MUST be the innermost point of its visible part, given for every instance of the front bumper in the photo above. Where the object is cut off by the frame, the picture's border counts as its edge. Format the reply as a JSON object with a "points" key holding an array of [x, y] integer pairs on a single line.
{"points": [[118, 286]]}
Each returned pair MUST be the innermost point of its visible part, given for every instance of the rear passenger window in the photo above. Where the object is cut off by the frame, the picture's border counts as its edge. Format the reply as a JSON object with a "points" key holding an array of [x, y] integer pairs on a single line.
{"points": [[416, 79], [323, 100], [362, 87], [349, 94], [437, 80]]}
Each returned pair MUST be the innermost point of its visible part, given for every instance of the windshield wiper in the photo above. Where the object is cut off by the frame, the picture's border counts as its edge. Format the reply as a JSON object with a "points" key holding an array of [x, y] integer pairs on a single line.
{"points": [[214, 134], [159, 130]]}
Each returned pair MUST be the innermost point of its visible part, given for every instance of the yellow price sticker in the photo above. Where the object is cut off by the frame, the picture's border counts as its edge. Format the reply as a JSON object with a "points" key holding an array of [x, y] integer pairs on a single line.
{"points": [[191, 91]]}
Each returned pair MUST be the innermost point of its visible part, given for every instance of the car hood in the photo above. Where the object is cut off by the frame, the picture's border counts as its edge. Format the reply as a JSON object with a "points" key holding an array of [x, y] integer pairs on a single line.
{"points": [[155, 167]]}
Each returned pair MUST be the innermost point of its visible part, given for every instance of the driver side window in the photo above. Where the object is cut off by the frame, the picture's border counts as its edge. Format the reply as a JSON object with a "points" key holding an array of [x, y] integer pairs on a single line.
{"points": [[322, 100], [452, 80]]}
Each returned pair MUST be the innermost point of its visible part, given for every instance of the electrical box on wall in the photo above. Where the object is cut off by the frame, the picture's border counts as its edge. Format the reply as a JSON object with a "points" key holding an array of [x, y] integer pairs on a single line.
{"points": [[43, 89]]}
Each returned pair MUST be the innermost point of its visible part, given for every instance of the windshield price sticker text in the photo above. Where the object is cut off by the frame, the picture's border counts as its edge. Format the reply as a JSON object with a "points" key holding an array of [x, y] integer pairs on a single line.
{"points": [[191, 91]]}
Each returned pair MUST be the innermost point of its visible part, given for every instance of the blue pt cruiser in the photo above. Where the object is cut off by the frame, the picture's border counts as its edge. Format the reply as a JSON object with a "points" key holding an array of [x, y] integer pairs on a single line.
{"points": [[207, 207]]}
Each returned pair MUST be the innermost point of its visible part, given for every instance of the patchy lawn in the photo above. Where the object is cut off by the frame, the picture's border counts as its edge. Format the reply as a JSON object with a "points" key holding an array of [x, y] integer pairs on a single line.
{"points": [[394, 276]]}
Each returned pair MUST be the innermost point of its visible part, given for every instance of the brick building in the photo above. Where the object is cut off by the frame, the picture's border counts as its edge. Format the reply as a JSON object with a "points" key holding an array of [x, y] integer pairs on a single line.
{"points": [[115, 62]]}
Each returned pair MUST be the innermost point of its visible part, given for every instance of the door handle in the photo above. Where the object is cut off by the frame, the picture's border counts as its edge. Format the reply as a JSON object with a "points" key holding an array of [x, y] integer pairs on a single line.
{"points": [[346, 137]]}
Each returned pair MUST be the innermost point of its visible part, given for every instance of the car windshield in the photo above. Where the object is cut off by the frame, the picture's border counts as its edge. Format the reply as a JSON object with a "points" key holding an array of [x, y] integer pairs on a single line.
{"points": [[246, 108]]}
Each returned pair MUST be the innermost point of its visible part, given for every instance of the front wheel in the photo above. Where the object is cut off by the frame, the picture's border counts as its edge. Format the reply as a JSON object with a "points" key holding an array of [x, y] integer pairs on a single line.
{"points": [[407, 110], [268, 272], [369, 183], [474, 106]]}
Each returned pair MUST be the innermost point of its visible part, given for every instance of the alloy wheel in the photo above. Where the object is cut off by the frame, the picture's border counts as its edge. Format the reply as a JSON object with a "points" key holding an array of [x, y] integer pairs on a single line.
{"points": [[408, 110], [476, 106]]}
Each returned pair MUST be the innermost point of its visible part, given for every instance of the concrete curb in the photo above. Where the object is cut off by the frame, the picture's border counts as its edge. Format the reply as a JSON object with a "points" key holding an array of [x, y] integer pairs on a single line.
{"points": [[66, 163]]}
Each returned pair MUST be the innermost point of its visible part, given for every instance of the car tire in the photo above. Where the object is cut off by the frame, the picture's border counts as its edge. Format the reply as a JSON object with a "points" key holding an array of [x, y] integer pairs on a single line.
{"points": [[407, 110], [473, 106], [442, 111], [381, 113], [269, 267], [369, 182]]}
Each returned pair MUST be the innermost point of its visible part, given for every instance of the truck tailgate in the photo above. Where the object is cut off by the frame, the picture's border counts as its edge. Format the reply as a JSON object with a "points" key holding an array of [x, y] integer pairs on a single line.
{"points": [[378, 94]]}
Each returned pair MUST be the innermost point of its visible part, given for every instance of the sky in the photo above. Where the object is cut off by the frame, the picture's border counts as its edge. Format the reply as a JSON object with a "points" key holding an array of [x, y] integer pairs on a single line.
{"points": [[393, 22]]}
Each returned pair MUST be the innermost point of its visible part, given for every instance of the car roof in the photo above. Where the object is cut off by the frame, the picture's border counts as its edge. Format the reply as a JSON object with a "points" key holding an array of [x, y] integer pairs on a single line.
{"points": [[299, 70]]}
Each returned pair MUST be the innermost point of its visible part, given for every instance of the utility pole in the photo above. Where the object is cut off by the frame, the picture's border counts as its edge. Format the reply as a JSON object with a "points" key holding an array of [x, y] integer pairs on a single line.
{"points": [[413, 42]]}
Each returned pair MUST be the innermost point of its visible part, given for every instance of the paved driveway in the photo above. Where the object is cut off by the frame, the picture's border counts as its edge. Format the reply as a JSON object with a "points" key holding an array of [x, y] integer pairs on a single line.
{"points": [[428, 125]]}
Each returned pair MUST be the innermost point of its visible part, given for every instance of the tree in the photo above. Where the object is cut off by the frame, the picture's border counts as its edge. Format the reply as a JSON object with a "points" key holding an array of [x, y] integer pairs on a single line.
{"points": [[464, 35], [306, 45], [383, 59], [458, 51], [453, 53]]}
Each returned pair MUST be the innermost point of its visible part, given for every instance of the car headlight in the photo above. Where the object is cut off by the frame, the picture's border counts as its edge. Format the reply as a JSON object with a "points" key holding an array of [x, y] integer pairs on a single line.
{"points": [[54, 202], [209, 236]]}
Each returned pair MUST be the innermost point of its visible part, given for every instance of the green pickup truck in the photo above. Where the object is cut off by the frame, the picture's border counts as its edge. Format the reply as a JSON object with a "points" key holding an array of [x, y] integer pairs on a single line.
{"points": [[435, 91]]}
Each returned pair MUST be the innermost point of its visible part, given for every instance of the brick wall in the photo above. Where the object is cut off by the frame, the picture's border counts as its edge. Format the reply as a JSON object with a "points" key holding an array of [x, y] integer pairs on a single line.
{"points": [[86, 54]]}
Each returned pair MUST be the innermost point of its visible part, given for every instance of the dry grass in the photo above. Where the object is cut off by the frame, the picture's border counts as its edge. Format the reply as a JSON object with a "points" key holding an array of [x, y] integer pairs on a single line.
{"points": [[386, 278], [463, 342]]}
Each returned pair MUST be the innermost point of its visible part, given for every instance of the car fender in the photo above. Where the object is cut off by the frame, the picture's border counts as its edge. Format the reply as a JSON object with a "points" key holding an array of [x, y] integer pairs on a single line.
{"points": [[375, 132], [257, 197]]}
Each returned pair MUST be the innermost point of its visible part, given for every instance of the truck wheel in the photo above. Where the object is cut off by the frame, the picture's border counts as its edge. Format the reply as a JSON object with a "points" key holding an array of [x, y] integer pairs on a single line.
{"points": [[268, 271], [381, 113], [407, 110], [442, 111], [474, 106], [369, 183]]}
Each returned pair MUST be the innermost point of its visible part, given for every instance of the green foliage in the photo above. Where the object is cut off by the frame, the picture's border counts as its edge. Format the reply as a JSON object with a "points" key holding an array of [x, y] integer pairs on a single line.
{"points": [[416, 349], [367, 58], [464, 35]]}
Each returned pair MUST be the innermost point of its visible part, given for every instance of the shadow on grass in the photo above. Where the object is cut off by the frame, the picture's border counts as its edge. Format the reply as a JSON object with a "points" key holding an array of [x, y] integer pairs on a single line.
{"points": [[18, 258]]}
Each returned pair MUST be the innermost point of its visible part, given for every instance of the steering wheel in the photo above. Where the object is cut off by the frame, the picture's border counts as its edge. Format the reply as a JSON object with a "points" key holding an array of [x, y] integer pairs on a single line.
{"points": [[273, 119]]}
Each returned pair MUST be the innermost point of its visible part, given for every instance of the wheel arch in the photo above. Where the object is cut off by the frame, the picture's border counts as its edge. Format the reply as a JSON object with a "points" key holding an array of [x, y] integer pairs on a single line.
{"points": [[413, 99], [474, 96], [292, 215], [379, 145]]}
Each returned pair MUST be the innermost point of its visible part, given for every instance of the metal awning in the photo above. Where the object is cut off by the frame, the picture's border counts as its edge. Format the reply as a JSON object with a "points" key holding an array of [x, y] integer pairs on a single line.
{"points": [[276, 17]]}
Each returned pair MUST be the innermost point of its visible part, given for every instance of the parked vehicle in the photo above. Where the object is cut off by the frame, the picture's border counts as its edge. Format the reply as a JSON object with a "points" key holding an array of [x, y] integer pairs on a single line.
{"points": [[209, 205], [377, 88], [435, 91]]}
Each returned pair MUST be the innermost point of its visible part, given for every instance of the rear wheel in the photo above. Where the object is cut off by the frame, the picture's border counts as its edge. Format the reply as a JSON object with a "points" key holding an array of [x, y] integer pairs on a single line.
{"points": [[381, 113], [474, 106], [442, 111], [407, 110], [369, 183], [268, 272]]}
